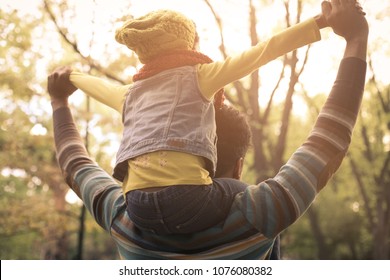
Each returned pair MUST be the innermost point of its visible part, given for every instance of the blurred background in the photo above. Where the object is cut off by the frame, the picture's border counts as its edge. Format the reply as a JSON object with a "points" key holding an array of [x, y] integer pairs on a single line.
{"points": [[41, 219]]}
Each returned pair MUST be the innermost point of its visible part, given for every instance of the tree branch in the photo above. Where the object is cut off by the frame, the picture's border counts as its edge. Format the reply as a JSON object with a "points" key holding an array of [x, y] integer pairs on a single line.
{"points": [[304, 60], [93, 64], [264, 119], [359, 180], [219, 24], [385, 105], [380, 180], [255, 82]]}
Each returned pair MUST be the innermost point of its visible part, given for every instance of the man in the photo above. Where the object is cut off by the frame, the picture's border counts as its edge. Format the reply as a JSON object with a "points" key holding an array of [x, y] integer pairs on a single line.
{"points": [[257, 214], [234, 137]]}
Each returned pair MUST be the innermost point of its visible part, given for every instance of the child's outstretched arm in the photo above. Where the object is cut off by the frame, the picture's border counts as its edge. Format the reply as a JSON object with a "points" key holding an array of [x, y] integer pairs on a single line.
{"points": [[218, 74], [101, 90]]}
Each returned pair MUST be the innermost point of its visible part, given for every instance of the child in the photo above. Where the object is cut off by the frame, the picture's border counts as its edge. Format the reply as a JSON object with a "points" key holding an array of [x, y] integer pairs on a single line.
{"points": [[167, 156]]}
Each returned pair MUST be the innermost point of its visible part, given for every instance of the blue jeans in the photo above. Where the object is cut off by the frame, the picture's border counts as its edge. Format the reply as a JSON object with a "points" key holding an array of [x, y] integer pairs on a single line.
{"points": [[183, 209]]}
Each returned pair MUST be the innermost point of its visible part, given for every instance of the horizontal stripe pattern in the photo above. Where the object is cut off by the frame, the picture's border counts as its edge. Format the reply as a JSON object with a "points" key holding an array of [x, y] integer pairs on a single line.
{"points": [[257, 215]]}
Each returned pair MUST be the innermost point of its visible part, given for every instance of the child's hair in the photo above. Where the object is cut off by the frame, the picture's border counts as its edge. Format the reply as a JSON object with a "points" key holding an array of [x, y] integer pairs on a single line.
{"points": [[156, 33]]}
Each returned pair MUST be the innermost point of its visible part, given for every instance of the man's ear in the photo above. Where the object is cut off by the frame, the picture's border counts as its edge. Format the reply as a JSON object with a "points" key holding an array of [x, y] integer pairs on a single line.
{"points": [[237, 171]]}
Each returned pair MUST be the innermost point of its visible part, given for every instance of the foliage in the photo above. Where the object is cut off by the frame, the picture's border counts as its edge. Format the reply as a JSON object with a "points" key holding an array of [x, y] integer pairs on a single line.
{"points": [[349, 220], [37, 223], [354, 209]]}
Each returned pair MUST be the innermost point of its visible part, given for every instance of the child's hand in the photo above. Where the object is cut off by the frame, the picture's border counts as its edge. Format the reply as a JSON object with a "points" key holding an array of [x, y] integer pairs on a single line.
{"points": [[321, 21]]}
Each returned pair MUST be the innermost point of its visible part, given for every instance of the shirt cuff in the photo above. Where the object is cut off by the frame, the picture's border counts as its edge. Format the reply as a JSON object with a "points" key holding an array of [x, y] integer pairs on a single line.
{"points": [[348, 88]]}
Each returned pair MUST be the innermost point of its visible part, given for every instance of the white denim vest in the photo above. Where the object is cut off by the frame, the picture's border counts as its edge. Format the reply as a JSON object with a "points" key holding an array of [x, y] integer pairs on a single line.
{"points": [[167, 112]]}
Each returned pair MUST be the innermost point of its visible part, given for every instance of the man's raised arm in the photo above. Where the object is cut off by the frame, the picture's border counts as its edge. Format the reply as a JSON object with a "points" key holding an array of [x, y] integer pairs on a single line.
{"points": [[273, 205], [70, 149]]}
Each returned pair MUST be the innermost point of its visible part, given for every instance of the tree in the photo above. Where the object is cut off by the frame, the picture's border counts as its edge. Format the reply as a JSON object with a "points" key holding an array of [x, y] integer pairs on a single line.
{"points": [[370, 165], [349, 220], [23, 141], [36, 220], [269, 149]]}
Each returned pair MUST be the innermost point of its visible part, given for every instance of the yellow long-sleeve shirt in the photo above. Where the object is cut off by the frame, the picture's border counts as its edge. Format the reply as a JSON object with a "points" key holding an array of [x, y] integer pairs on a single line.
{"points": [[173, 168]]}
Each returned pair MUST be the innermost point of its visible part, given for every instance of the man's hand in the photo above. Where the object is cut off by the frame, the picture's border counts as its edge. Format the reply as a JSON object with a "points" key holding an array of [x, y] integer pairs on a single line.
{"points": [[346, 17], [60, 87], [326, 8]]}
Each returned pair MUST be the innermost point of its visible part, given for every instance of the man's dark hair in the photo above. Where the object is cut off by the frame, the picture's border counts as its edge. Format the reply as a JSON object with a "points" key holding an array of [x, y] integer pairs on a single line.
{"points": [[234, 137]]}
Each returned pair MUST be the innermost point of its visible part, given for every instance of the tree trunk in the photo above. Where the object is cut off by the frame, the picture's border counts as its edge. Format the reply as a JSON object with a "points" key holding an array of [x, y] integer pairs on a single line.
{"points": [[323, 252]]}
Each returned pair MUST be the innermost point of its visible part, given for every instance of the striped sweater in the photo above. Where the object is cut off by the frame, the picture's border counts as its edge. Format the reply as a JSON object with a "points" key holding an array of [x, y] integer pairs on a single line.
{"points": [[257, 215]]}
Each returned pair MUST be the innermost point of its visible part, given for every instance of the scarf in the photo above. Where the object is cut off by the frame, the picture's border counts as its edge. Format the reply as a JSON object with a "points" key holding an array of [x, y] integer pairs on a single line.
{"points": [[176, 59]]}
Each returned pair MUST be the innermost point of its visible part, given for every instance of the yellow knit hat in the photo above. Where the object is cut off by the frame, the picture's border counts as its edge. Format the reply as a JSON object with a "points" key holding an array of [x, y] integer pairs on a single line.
{"points": [[157, 32]]}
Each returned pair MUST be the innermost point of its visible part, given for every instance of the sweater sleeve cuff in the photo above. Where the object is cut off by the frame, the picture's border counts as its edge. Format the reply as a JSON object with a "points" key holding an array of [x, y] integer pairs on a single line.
{"points": [[63, 114], [347, 90], [315, 29], [310, 28], [353, 69]]}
